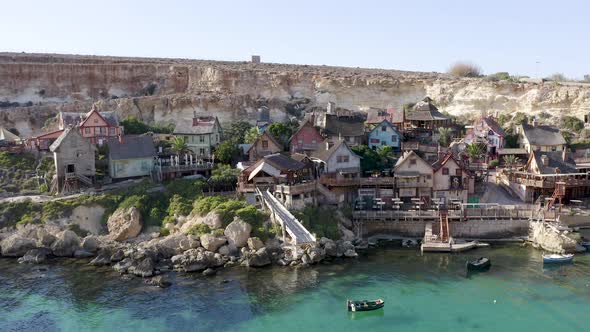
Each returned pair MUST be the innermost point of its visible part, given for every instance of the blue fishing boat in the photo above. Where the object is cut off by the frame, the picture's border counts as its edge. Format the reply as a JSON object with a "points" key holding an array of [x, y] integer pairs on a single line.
{"points": [[557, 258], [586, 245]]}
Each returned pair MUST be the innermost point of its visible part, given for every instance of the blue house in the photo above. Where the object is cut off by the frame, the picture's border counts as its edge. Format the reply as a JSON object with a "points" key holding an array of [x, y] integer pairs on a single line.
{"points": [[385, 134]]}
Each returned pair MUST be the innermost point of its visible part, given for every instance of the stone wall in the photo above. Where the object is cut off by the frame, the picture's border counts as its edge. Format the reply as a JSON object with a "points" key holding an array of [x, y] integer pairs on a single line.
{"points": [[500, 229]]}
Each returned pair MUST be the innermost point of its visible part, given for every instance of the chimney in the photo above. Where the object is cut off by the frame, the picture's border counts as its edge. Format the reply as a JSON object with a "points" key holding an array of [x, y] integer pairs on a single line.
{"points": [[534, 122], [544, 160], [327, 145], [331, 108], [120, 139], [564, 154]]}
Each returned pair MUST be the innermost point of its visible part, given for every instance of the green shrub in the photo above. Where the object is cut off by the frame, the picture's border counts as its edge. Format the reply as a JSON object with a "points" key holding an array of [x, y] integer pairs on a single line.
{"points": [[494, 163], [179, 206], [164, 231], [218, 232], [572, 123], [320, 221], [205, 205], [23, 161], [199, 229], [189, 189]]}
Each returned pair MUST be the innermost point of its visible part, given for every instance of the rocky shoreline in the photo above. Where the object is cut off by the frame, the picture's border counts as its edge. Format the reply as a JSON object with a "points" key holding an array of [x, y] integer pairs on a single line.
{"points": [[152, 255]]}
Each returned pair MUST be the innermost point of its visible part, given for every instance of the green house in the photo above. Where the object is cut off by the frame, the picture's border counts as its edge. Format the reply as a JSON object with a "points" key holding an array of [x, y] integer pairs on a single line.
{"points": [[131, 156]]}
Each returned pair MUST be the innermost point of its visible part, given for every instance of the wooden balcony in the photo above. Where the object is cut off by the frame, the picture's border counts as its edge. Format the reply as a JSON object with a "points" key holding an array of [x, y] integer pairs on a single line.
{"points": [[548, 181], [296, 189], [352, 182]]}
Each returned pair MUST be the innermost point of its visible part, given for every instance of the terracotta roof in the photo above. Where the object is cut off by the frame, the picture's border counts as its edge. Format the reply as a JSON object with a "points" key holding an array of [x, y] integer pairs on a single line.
{"points": [[196, 126], [75, 118], [542, 135], [132, 147]]}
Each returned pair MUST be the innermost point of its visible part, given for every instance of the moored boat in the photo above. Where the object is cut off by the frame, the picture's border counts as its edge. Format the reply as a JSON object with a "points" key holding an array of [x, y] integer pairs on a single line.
{"points": [[586, 244], [364, 305], [480, 264], [557, 258]]}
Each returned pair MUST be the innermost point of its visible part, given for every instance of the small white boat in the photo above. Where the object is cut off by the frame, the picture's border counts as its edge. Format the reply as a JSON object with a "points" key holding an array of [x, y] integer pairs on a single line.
{"points": [[557, 258]]}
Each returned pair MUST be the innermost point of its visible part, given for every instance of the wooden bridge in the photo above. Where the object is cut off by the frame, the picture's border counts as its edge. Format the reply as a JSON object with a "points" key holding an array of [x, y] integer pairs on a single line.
{"points": [[289, 223]]}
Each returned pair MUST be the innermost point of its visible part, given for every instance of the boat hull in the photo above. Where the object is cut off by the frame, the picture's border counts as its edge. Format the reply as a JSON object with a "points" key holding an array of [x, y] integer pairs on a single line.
{"points": [[479, 265], [355, 306], [558, 260]]}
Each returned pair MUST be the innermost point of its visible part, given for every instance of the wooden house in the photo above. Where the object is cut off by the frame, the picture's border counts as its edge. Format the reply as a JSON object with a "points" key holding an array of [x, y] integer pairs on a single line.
{"points": [[74, 157], [131, 156], [264, 145], [487, 131], [413, 177], [452, 181], [385, 134], [202, 134], [94, 125], [306, 139], [536, 137]]}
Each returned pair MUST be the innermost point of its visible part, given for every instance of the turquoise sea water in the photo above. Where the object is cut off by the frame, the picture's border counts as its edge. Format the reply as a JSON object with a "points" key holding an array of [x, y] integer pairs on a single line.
{"points": [[422, 293]]}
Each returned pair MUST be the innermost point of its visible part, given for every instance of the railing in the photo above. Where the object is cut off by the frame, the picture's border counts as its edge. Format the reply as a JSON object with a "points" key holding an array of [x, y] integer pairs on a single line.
{"points": [[466, 214], [414, 184], [371, 181], [548, 181], [180, 168], [295, 189]]}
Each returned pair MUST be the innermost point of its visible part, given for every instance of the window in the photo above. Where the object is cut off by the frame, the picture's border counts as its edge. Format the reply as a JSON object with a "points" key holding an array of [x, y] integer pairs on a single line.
{"points": [[112, 131], [201, 139], [445, 171], [342, 159], [382, 142], [458, 172], [383, 128], [299, 141], [95, 120], [313, 141], [71, 168], [103, 130], [553, 148], [202, 151], [265, 144], [413, 162], [393, 139], [86, 130]]}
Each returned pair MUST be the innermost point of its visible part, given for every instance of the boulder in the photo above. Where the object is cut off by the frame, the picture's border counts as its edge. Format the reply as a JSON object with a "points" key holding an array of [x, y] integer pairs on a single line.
{"points": [[34, 256], [217, 260], [330, 248], [142, 268], [197, 262], [342, 247], [16, 246], [212, 219], [44, 238], [346, 234], [123, 265], [212, 242], [102, 258], [118, 255], [258, 259], [81, 253], [159, 281], [255, 243], [350, 253], [90, 243], [305, 259], [238, 232], [209, 272], [66, 244], [124, 224], [316, 255]]}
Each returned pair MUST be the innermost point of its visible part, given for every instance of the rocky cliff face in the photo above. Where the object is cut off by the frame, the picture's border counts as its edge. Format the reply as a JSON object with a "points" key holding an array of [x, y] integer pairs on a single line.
{"points": [[34, 87]]}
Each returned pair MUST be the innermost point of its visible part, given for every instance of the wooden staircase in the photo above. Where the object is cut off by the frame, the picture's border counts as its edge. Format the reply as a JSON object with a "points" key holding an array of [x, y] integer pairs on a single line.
{"points": [[444, 226], [558, 195]]}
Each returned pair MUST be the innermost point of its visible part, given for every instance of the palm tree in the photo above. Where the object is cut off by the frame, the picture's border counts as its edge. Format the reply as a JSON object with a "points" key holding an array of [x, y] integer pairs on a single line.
{"points": [[179, 145], [511, 160], [475, 150], [445, 136], [386, 155]]}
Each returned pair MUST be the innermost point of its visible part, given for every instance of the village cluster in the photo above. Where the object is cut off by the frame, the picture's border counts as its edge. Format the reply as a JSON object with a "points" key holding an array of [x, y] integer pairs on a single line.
{"points": [[433, 160]]}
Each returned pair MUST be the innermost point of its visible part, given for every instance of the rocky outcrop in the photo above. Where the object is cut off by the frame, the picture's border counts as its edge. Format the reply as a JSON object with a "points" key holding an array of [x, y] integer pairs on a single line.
{"points": [[550, 238], [124, 224], [170, 90], [66, 244], [16, 245], [212, 242], [255, 243], [258, 259], [238, 232], [35, 256], [212, 219]]}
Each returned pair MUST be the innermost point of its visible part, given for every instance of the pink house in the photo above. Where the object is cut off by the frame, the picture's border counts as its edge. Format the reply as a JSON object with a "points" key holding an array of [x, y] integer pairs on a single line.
{"points": [[306, 139]]}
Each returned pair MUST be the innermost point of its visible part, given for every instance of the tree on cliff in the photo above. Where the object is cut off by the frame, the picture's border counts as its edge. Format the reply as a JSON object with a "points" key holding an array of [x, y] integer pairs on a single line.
{"points": [[237, 131], [251, 135]]}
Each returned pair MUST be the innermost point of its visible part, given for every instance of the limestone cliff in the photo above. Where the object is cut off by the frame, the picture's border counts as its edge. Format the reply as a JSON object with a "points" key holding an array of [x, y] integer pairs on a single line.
{"points": [[34, 87]]}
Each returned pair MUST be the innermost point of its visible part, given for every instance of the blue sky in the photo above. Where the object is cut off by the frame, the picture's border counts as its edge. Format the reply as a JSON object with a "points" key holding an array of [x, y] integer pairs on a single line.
{"points": [[410, 35]]}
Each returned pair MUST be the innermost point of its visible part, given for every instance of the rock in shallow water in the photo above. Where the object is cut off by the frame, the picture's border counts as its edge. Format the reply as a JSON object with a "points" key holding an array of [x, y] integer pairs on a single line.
{"points": [[34, 256], [103, 258], [159, 281], [209, 272], [66, 244], [15, 246]]}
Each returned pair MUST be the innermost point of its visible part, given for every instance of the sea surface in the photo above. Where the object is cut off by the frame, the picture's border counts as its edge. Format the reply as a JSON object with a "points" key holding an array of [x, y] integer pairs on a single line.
{"points": [[430, 292]]}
